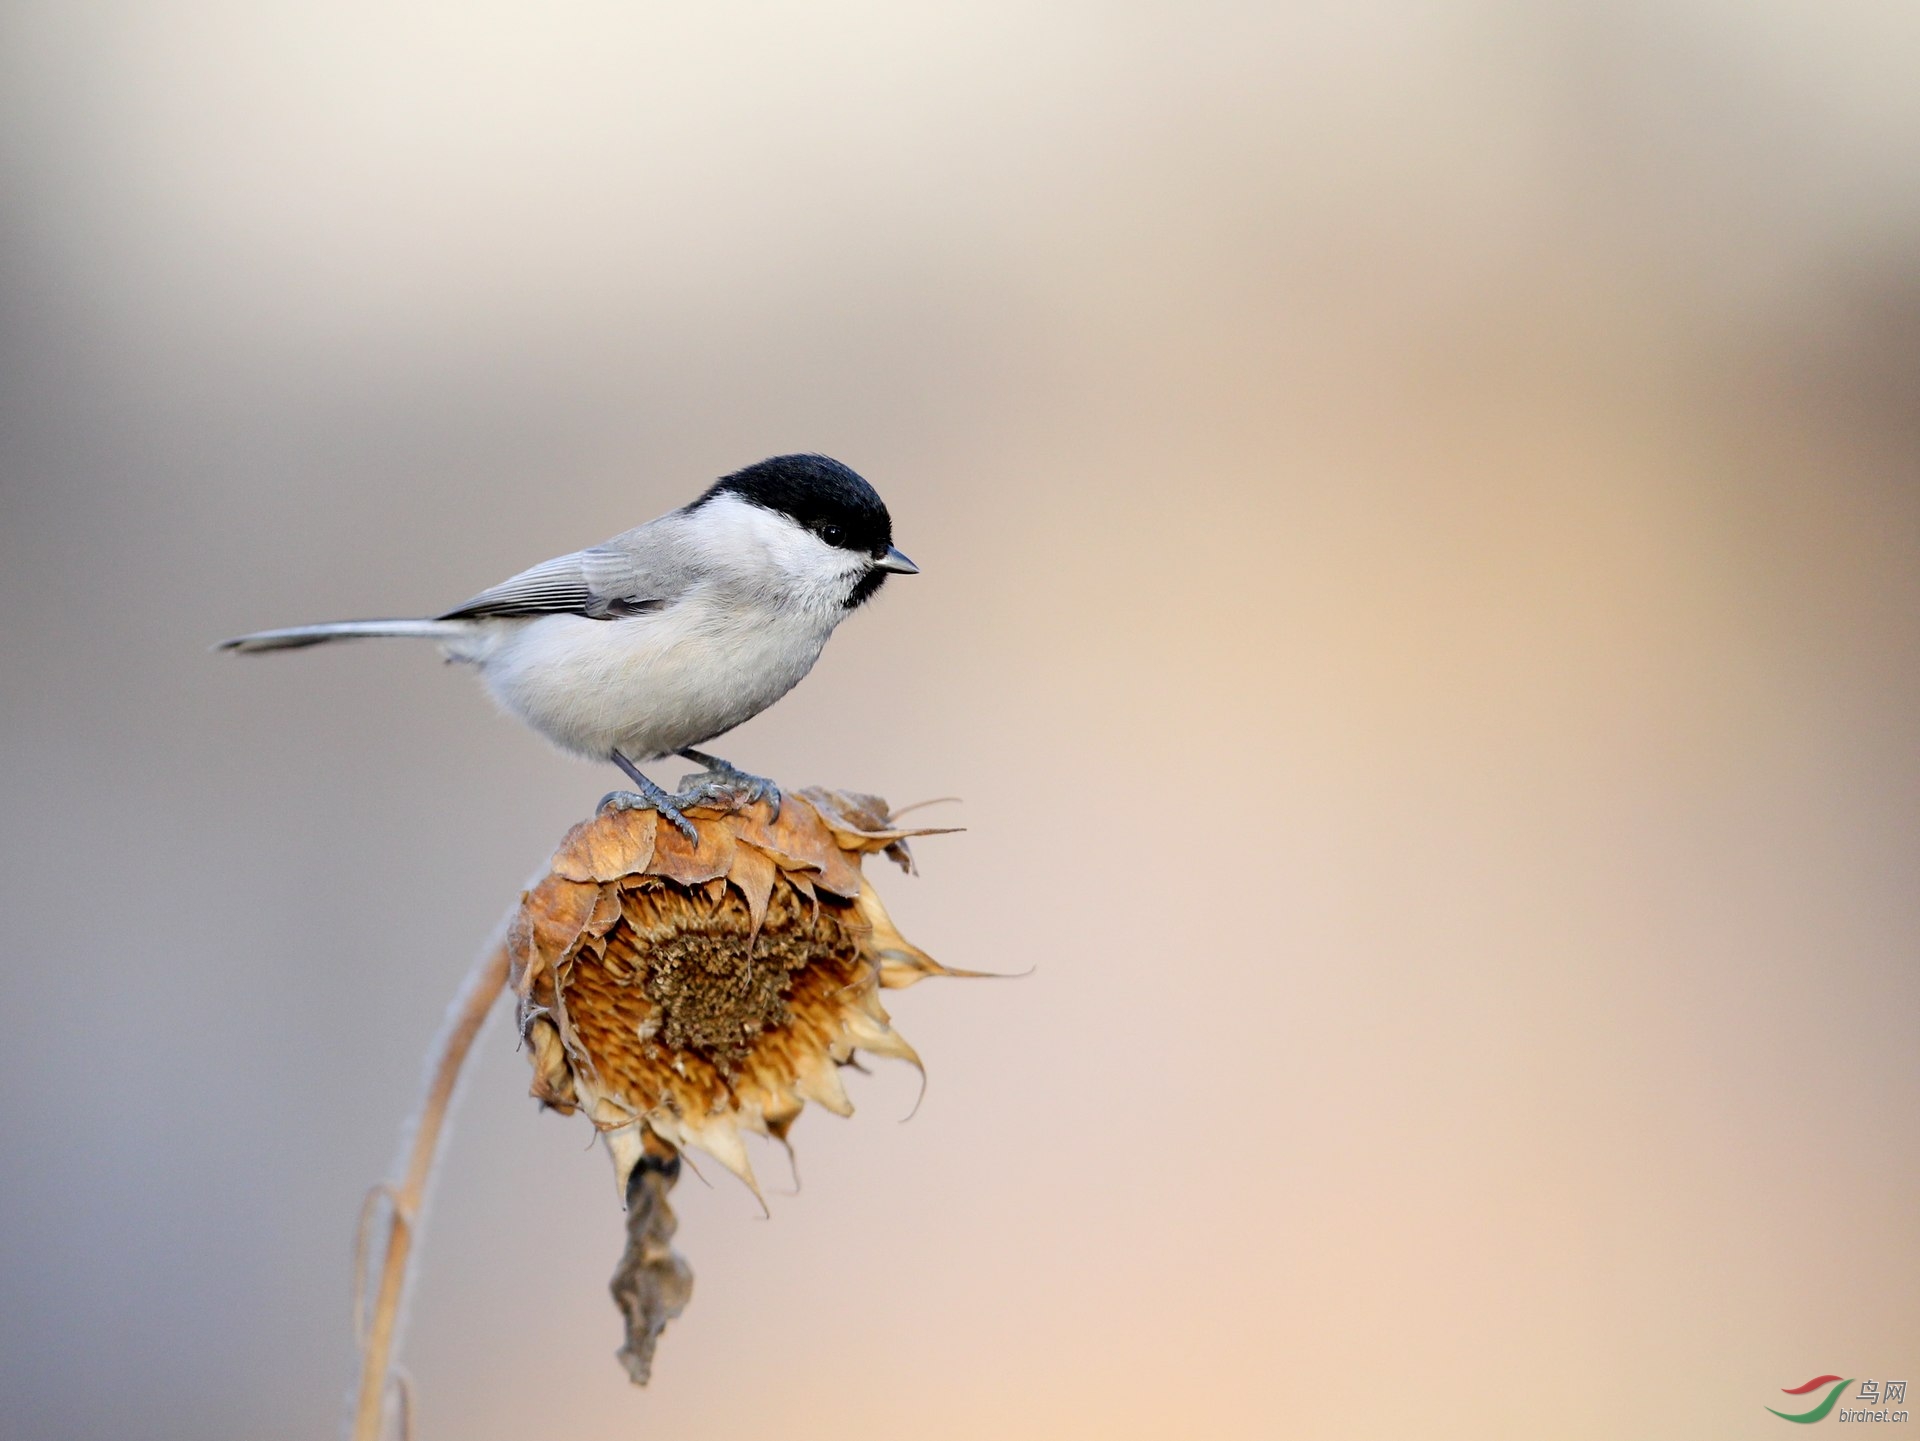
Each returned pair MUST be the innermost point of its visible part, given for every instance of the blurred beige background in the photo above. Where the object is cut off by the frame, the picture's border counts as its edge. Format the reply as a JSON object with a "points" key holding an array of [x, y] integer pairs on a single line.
{"points": [[1421, 534]]}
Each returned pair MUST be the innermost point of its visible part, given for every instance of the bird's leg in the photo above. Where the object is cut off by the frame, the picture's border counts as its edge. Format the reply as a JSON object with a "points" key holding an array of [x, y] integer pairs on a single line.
{"points": [[725, 776], [646, 796]]}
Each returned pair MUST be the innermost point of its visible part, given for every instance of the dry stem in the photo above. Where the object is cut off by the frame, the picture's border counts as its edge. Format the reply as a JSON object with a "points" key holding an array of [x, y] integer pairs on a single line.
{"points": [[375, 1332]]}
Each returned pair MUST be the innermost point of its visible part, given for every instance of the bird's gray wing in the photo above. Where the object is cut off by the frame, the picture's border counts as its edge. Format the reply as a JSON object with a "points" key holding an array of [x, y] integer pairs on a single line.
{"points": [[602, 583]]}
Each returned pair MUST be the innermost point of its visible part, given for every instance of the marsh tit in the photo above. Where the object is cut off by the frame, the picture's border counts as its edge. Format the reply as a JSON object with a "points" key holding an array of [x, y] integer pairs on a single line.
{"points": [[666, 636]]}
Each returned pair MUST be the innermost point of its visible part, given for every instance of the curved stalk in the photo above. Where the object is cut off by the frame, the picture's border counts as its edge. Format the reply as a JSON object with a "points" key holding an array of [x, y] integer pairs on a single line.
{"points": [[375, 1330]]}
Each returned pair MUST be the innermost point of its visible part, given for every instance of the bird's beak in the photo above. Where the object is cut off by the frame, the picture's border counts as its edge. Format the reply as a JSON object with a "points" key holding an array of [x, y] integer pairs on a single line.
{"points": [[893, 560]]}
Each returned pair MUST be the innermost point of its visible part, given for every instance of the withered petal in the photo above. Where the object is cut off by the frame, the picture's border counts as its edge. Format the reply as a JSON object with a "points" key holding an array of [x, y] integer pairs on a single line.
{"points": [[819, 1082], [611, 845], [606, 910], [864, 821], [851, 811], [679, 860], [552, 1076], [796, 838], [549, 922], [753, 874]]}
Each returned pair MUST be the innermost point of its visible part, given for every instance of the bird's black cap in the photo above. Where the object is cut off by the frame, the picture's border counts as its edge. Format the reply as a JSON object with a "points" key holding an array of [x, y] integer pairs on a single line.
{"points": [[815, 492]]}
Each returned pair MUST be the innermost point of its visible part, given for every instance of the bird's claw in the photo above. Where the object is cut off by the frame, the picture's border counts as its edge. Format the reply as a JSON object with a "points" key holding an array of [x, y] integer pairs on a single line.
{"points": [[735, 789], [668, 807]]}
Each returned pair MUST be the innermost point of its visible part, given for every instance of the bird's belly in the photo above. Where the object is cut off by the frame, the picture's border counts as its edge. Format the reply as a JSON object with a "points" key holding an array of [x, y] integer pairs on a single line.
{"points": [[649, 685]]}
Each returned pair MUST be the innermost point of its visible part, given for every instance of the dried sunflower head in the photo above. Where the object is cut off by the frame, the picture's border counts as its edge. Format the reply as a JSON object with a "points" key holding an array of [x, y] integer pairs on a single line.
{"points": [[689, 994]]}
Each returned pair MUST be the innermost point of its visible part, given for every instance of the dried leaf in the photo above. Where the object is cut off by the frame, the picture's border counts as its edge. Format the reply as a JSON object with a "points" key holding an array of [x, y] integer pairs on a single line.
{"points": [[652, 1284]]}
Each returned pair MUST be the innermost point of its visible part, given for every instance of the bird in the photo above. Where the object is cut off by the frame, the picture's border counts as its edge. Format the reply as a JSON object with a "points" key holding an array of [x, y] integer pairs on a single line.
{"points": [[652, 643]]}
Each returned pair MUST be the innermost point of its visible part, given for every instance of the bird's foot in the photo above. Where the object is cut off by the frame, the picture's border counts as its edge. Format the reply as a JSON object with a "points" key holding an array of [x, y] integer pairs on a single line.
{"points": [[728, 785], [654, 799]]}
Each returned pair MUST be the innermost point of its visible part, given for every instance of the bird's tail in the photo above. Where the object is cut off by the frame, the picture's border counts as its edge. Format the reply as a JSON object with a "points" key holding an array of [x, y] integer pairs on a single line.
{"points": [[294, 637]]}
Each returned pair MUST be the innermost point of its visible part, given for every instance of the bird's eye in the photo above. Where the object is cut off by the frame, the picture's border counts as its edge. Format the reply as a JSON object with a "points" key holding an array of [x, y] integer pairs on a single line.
{"points": [[832, 534]]}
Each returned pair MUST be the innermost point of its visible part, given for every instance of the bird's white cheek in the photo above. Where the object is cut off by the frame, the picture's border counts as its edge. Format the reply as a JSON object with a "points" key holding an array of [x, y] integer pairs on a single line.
{"points": [[768, 552]]}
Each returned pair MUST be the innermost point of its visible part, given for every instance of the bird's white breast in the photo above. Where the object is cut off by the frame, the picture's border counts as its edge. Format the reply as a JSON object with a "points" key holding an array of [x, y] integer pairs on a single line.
{"points": [[653, 683]]}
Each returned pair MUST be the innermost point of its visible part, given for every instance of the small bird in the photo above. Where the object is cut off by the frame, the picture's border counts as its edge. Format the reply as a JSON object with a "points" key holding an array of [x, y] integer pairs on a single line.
{"points": [[670, 634]]}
